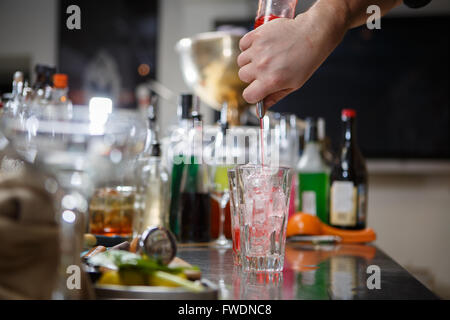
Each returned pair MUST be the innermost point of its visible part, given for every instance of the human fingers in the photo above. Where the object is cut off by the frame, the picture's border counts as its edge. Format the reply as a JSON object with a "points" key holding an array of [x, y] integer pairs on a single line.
{"points": [[246, 41], [244, 58], [259, 89], [247, 73]]}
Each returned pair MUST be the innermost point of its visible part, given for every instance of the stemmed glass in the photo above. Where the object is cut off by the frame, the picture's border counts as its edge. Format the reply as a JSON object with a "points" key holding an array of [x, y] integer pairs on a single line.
{"points": [[80, 152], [219, 188], [219, 192]]}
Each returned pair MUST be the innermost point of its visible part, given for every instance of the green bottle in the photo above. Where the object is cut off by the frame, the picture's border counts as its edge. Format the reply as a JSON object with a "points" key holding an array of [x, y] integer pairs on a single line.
{"points": [[174, 221], [178, 146], [313, 175]]}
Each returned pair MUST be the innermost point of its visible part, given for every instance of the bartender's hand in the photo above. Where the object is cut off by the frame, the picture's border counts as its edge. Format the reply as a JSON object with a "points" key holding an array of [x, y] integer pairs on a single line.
{"points": [[281, 55]]}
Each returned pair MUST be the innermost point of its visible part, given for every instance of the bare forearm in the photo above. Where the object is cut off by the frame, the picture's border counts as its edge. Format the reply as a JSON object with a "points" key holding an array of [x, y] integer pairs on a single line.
{"points": [[280, 56], [353, 13]]}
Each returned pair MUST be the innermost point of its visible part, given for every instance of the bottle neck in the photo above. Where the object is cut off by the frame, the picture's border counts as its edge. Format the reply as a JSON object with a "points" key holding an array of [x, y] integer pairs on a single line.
{"points": [[17, 89], [311, 159], [311, 134], [349, 132], [48, 92], [153, 130], [155, 151]]}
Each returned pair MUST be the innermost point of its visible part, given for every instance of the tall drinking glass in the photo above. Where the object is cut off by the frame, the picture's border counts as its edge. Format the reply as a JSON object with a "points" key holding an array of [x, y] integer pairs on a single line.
{"points": [[263, 194]]}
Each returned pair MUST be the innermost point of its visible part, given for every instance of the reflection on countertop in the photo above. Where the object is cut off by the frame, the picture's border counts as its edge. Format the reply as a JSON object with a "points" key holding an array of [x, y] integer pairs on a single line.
{"points": [[311, 272]]}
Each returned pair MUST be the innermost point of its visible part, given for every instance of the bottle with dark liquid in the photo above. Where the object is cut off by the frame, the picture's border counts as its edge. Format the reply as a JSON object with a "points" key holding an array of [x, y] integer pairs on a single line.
{"points": [[42, 87], [195, 211], [178, 158], [348, 180]]}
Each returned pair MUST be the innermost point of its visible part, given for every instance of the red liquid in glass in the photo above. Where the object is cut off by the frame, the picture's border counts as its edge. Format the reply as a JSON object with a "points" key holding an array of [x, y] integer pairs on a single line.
{"points": [[261, 20], [215, 220], [236, 240]]}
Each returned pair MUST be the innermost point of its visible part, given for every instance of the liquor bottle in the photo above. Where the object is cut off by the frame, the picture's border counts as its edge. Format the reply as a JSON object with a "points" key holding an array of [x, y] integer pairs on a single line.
{"points": [[313, 175], [194, 207], [153, 180], [156, 183], [289, 139], [15, 100], [44, 77], [59, 106], [325, 143], [177, 157], [42, 88], [348, 181], [152, 129]]}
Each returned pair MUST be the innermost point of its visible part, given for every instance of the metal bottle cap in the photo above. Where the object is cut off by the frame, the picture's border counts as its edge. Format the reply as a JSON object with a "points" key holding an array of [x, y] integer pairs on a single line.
{"points": [[18, 76], [158, 243]]}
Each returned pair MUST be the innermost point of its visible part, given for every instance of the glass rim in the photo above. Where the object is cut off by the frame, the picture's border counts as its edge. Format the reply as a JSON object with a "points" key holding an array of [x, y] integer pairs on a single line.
{"points": [[242, 166], [119, 121]]}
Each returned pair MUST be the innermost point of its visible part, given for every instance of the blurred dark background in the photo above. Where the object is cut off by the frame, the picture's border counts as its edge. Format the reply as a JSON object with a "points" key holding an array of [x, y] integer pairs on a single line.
{"points": [[114, 51], [397, 78]]}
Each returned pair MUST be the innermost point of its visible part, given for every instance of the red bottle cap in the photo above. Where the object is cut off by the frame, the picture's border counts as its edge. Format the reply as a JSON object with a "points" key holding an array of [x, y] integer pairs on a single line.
{"points": [[349, 113], [60, 80]]}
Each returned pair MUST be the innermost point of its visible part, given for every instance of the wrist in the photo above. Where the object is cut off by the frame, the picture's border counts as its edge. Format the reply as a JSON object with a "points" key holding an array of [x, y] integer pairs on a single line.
{"points": [[334, 15]]}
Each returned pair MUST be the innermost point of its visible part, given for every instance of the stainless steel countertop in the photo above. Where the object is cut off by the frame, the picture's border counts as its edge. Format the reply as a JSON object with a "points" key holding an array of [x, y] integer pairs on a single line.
{"points": [[311, 272]]}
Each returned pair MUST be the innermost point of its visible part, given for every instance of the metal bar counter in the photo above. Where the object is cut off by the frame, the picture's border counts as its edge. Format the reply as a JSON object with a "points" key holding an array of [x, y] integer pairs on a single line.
{"points": [[311, 272]]}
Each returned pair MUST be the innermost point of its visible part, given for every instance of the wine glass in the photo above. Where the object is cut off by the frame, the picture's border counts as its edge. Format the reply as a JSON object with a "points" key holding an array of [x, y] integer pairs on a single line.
{"points": [[219, 187], [80, 152], [219, 192]]}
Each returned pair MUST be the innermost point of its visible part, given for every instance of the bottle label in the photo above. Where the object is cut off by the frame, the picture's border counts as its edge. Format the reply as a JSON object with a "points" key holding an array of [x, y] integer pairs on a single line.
{"points": [[362, 204], [343, 204], [309, 202]]}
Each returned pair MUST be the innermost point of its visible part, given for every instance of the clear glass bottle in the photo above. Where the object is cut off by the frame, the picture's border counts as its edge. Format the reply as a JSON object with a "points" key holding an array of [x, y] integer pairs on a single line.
{"points": [[59, 106], [154, 190], [153, 180], [313, 175], [42, 87], [325, 142], [289, 150], [13, 104]]}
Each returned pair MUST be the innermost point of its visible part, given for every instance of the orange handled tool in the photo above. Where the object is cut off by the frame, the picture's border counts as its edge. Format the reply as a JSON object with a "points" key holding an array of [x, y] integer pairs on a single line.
{"points": [[306, 224]]}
